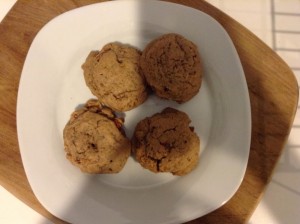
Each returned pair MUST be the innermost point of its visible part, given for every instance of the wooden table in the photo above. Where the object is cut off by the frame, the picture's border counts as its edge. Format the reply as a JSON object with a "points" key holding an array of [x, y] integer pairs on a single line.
{"points": [[272, 86]]}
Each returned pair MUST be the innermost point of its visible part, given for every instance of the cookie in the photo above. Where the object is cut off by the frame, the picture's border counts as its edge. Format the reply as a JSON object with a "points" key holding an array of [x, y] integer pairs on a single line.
{"points": [[164, 142], [172, 67], [114, 77], [93, 140]]}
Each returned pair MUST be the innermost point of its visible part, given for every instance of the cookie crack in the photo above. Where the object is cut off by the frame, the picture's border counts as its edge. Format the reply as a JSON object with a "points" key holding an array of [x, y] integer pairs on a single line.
{"points": [[157, 161], [165, 131], [170, 129], [123, 94], [118, 56], [180, 46], [189, 83], [168, 145]]}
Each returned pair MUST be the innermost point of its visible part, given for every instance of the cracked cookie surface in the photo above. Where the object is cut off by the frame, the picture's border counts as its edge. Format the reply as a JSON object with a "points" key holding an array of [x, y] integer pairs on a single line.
{"points": [[114, 77], [164, 142], [172, 67], [93, 141]]}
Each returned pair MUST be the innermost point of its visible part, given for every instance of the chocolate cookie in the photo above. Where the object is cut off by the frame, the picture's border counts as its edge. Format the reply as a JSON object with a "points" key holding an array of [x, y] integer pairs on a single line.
{"points": [[172, 67], [113, 75], [166, 143], [93, 140]]}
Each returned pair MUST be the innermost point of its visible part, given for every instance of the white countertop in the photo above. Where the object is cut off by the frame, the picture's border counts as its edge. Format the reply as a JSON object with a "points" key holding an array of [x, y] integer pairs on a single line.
{"points": [[277, 23]]}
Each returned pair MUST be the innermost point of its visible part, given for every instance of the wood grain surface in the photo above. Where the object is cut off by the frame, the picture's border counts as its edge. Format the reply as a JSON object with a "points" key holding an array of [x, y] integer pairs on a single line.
{"points": [[272, 86]]}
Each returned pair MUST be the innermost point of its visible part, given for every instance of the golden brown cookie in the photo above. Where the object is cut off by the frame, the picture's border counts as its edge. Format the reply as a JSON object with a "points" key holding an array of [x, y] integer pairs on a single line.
{"points": [[93, 140], [172, 67], [114, 77], [166, 143]]}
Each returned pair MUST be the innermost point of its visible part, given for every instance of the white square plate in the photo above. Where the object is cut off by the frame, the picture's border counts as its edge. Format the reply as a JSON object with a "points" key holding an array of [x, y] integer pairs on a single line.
{"points": [[52, 86]]}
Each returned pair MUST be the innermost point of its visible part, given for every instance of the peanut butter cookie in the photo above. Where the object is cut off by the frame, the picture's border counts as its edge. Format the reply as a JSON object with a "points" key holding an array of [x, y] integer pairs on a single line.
{"points": [[166, 143], [93, 140], [114, 77], [172, 67]]}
